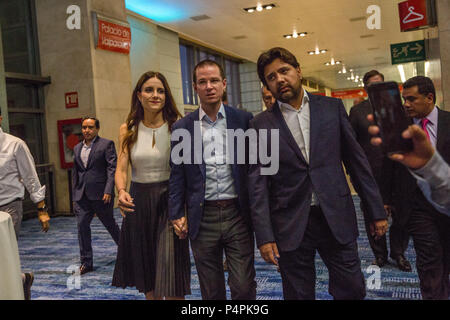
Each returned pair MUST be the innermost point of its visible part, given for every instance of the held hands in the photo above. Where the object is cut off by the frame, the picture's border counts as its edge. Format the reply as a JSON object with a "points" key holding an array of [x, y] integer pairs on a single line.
{"points": [[44, 220], [180, 227], [106, 198], [269, 252], [125, 202], [422, 152], [378, 228]]}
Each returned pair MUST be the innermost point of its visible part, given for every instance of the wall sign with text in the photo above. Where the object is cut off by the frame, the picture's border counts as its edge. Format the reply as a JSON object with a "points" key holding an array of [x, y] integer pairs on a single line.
{"points": [[111, 34], [71, 99]]}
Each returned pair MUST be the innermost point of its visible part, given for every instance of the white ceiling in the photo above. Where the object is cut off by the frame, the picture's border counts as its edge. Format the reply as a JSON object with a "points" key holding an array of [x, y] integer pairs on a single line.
{"points": [[327, 23]]}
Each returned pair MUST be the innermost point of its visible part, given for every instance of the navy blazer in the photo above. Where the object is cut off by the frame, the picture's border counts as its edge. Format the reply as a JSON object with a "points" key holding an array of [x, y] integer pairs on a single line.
{"points": [[97, 178], [187, 181], [280, 204]]}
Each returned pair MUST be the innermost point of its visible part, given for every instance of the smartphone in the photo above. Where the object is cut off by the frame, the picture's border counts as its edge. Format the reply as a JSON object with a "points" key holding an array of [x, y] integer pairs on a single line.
{"points": [[390, 116]]}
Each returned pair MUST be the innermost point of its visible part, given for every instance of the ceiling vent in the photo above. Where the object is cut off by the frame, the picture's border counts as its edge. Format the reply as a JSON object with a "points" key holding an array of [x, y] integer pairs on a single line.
{"points": [[366, 36], [200, 17], [240, 37]]}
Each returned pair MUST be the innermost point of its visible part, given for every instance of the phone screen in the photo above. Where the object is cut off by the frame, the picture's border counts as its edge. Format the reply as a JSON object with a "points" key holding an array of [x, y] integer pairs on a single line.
{"points": [[390, 116]]}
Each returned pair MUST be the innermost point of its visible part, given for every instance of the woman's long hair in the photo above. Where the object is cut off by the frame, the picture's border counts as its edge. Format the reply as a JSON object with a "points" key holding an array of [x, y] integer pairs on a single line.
{"points": [[136, 115]]}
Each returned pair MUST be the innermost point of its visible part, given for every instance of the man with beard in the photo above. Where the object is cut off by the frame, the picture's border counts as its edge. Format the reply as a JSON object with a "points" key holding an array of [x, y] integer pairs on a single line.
{"points": [[307, 206]]}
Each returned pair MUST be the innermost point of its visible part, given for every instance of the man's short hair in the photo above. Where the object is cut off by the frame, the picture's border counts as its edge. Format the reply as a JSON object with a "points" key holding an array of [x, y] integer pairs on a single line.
{"points": [[370, 74], [97, 122], [424, 85], [207, 62], [270, 55]]}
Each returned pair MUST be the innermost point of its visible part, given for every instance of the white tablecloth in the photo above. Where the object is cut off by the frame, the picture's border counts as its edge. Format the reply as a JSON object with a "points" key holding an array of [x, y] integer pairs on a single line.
{"points": [[11, 287]]}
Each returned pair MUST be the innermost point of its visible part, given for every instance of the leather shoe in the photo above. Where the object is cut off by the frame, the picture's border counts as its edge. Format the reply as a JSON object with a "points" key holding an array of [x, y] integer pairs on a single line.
{"points": [[403, 264], [85, 269], [379, 261], [28, 281]]}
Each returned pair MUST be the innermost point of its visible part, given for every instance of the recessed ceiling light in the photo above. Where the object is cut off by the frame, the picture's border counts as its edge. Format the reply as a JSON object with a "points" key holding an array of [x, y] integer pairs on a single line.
{"points": [[327, 63], [310, 52], [323, 51], [260, 8]]}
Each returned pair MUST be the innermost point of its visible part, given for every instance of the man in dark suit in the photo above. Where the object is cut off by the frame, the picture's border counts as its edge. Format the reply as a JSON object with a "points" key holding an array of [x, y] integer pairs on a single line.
{"points": [[213, 191], [429, 228], [382, 170], [307, 206], [93, 172]]}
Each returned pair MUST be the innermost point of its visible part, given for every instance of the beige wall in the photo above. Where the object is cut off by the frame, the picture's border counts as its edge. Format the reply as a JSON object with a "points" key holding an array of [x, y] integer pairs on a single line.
{"points": [[154, 48], [65, 57]]}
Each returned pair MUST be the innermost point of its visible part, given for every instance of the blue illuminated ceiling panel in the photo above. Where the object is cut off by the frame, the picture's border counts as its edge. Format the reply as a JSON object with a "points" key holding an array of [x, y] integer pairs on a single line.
{"points": [[156, 10]]}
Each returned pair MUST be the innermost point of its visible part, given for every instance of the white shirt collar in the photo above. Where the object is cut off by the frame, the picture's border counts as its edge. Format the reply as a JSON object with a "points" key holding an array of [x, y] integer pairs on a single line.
{"points": [[291, 108], [90, 145], [221, 111]]}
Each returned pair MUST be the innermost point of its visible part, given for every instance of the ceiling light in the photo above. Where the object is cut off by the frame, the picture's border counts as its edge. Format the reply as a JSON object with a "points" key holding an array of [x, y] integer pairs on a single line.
{"points": [[348, 78], [351, 70], [323, 50], [310, 52], [259, 8], [295, 35], [303, 34], [269, 7], [327, 63], [344, 70], [333, 62], [250, 10], [352, 77], [340, 71], [338, 62], [288, 36]]}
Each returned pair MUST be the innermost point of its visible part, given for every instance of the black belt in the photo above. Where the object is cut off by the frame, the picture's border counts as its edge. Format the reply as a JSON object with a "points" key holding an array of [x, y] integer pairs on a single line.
{"points": [[16, 199], [221, 203]]}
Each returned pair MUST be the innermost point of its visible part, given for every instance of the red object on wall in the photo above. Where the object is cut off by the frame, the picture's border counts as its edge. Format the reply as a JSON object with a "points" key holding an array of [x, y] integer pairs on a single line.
{"points": [[113, 37], [349, 94], [412, 14], [69, 131], [71, 99]]}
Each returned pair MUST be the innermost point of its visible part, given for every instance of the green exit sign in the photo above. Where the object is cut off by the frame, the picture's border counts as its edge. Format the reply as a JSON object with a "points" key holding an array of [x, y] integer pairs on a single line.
{"points": [[408, 52]]}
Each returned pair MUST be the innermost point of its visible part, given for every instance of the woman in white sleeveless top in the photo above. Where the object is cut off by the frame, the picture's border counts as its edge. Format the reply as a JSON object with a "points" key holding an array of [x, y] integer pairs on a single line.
{"points": [[150, 256]]}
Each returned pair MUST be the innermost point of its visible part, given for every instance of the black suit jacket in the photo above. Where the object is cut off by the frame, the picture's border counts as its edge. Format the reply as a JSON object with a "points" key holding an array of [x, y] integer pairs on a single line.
{"points": [[280, 204], [97, 178], [381, 165], [404, 184]]}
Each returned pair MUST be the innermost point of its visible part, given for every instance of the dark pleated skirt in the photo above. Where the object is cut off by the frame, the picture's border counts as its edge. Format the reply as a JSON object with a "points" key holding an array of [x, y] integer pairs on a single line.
{"points": [[150, 256]]}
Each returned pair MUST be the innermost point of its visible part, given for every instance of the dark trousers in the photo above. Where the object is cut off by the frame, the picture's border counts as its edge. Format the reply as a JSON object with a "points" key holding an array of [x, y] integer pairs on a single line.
{"points": [[85, 210], [398, 238], [297, 267], [224, 229], [430, 231]]}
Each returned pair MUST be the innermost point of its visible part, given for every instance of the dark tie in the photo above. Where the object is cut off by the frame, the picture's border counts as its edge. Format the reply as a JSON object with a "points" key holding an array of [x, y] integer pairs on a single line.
{"points": [[424, 127]]}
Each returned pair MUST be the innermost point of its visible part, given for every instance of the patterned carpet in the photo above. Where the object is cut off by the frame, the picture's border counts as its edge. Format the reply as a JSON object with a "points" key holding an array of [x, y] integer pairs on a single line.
{"points": [[53, 257]]}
